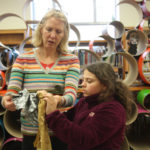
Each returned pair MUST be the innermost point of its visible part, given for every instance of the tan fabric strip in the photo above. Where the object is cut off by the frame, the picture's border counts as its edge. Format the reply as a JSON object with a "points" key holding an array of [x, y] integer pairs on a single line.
{"points": [[42, 141]]}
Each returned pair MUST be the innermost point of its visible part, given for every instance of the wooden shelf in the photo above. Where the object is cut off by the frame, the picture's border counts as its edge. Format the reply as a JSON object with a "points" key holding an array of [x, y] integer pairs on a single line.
{"points": [[12, 37], [16, 37], [138, 88]]}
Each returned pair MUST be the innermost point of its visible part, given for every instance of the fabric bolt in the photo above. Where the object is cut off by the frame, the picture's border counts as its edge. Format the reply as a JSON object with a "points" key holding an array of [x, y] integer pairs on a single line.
{"points": [[28, 102], [89, 125], [42, 141], [28, 73]]}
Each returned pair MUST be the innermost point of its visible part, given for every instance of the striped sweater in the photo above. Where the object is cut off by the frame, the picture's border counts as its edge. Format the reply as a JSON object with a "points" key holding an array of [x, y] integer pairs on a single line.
{"points": [[28, 73]]}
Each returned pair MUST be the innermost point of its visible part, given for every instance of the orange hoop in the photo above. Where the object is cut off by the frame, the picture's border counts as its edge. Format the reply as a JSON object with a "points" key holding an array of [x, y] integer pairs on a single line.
{"points": [[140, 65], [3, 80]]}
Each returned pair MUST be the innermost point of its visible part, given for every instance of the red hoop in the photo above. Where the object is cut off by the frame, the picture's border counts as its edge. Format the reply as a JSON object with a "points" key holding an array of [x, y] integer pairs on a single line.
{"points": [[3, 80], [140, 65]]}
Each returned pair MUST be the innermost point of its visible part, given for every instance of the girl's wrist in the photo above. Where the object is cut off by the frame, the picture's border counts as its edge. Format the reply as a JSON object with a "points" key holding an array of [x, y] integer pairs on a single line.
{"points": [[60, 101], [63, 101]]}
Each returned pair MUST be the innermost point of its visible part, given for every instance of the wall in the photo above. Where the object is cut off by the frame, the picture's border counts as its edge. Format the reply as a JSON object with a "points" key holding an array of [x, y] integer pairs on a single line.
{"points": [[13, 6], [128, 15]]}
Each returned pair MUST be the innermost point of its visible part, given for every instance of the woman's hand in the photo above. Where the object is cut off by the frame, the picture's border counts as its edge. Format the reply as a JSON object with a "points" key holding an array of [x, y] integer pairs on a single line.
{"points": [[8, 103]]}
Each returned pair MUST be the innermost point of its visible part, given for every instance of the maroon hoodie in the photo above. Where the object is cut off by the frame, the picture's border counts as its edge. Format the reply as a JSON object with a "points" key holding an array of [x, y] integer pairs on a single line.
{"points": [[90, 125]]}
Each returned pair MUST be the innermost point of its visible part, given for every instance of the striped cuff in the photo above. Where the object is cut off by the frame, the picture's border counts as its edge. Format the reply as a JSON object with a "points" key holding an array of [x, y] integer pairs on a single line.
{"points": [[62, 102]]}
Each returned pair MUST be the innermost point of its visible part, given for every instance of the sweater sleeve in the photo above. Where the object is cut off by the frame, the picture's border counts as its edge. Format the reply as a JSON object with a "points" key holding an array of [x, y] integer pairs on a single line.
{"points": [[16, 77], [71, 82], [97, 128]]}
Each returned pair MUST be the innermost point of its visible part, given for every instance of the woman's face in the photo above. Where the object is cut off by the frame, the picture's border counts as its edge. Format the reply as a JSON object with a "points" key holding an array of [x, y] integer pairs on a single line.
{"points": [[91, 85], [52, 33]]}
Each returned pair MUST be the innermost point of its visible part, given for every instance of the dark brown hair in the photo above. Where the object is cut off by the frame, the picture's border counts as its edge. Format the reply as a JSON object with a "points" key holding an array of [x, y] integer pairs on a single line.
{"points": [[114, 87]]}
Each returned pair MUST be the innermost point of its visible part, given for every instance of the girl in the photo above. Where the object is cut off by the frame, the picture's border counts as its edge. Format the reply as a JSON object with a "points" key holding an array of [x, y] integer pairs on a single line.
{"points": [[98, 120]]}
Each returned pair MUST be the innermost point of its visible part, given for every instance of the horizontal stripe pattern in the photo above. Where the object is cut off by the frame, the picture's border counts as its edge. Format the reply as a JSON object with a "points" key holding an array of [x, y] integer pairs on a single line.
{"points": [[28, 73]]}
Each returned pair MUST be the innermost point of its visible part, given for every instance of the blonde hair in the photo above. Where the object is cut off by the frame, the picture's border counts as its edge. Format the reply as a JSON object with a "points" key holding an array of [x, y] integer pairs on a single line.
{"points": [[37, 37]]}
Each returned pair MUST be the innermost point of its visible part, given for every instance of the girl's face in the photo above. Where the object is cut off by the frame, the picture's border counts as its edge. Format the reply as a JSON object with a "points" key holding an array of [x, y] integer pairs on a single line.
{"points": [[52, 33], [91, 85]]}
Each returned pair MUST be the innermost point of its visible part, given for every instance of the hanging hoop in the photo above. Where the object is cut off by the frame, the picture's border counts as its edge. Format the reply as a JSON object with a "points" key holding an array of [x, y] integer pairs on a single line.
{"points": [[141, 62], [115, 30], [109, 48], [120, 63], [137, 41], [73, 27], [136, 6], [6, 15], [12, 123], [143, 97]]}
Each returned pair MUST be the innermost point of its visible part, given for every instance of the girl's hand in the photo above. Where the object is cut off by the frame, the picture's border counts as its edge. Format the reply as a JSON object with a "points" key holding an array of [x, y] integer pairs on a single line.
{"points": [[50, 100], [51, 103]]}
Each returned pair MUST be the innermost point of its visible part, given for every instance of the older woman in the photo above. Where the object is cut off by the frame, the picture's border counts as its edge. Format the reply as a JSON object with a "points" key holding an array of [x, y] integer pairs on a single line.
{"points": [[47, 67]]}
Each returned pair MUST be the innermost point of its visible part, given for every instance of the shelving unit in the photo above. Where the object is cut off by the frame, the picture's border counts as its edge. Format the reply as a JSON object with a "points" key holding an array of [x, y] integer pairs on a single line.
{"points": [[16, 37], [12, 37]]}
